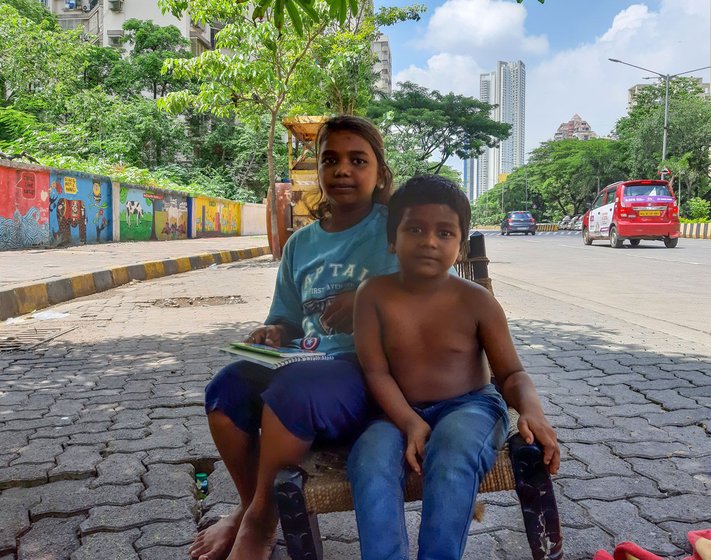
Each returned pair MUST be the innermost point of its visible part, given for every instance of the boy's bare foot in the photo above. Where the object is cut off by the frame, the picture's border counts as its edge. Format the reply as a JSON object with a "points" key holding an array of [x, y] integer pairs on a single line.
{"points": [[256, 538], [215, 542]]}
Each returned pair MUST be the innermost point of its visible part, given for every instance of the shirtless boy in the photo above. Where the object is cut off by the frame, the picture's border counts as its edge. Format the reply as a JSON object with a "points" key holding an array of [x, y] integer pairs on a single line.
{"points": [[422, 336]]}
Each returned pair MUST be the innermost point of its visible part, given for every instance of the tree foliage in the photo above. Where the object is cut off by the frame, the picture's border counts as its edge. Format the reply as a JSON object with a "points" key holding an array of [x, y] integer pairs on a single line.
{"points": [[295, 10], [436, 126]]}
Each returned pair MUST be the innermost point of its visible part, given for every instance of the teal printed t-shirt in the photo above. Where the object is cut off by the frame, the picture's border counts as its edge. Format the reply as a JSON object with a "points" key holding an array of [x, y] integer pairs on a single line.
{"points": [[317, 265]]}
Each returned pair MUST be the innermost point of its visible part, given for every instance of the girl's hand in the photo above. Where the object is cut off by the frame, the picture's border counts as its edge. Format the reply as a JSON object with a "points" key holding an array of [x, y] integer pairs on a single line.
{"points": [[271, 335], [338, 314], [418, 432], [536, 427]]}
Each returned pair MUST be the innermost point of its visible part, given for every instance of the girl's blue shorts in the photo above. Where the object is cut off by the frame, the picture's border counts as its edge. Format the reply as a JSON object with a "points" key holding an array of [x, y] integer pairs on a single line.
{"points": [[316, 400]]}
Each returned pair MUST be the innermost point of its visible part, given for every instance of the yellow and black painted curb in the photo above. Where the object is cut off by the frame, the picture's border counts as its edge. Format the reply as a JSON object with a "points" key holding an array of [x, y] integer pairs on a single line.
{"points": [[695, 231], [25, 299], [547, 227]]}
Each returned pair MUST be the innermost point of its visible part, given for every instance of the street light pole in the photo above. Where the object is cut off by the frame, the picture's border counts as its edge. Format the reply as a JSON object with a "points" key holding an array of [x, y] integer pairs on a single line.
{"points": [[666, 78]]}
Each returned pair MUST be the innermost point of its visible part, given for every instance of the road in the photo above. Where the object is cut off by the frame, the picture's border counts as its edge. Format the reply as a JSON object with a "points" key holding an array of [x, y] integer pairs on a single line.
{"points": [[651, 286], [102, 427]]}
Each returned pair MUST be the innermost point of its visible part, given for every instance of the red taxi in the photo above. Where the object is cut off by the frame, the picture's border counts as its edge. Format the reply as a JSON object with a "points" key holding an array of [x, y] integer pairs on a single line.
{"points": [[634, 210]]}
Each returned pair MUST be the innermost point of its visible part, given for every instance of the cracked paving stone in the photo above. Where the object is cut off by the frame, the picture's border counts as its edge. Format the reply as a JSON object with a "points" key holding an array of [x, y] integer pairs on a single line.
{"points": [[682, 417], [582, 544], [644, 450], [169, 481], [76, 462], [123, 518], [50, 538], [39, 451], [147, 444], [73, 496], [608, 488], [498, 517], [689, 508], [114, 546], [647, 535], [599, 459], [480, 546], [14, 517], [668, 476], [71, 429], [24, 475], [120, 468], [165, 553], [179, 412], [106, 436], [167, 534], [221, 487], [679, 533]]}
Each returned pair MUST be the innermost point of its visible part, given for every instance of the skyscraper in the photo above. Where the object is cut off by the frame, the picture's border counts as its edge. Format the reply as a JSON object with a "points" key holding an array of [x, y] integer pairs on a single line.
{"points": [[505, 88]]}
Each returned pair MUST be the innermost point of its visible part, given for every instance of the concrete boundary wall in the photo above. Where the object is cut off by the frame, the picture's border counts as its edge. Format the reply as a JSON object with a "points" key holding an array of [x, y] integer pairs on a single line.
{"points": [[46, 207], [25, 299]]}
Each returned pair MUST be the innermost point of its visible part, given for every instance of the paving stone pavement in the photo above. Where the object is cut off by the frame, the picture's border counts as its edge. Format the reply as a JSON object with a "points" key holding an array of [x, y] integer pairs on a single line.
{"points": [[102, 428]]}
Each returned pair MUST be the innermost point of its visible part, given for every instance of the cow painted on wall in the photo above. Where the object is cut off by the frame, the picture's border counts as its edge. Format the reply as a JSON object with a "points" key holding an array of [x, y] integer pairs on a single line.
{"points": [[152, 214]]}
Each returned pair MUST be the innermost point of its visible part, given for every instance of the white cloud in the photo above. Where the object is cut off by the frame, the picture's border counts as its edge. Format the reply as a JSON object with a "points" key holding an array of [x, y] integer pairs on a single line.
{"points": [[482, 27], [445, 72], [584, 81], [466, 37]]}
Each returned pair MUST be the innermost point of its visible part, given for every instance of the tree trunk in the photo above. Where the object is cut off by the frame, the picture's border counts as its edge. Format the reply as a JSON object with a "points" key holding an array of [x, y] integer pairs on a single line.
{"points": [[273, 215]]}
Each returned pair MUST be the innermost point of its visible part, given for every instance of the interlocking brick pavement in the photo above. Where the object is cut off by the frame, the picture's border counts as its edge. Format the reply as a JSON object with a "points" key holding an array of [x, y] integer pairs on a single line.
{"points": [[102, 429]]}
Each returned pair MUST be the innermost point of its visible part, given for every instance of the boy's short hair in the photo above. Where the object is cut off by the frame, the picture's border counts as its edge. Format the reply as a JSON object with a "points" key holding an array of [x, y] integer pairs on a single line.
{"points": [[429, 189]]}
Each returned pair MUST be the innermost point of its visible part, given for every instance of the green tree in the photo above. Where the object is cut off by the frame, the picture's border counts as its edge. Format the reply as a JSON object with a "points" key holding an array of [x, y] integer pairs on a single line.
{"points": [[435, 125], [151, 45], [339, 76], [36, 61], [699, 209], [296, 10]]}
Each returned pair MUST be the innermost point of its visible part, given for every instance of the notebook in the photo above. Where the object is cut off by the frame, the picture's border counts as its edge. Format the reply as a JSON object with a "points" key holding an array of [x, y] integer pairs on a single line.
{"points": [[273, 357]]}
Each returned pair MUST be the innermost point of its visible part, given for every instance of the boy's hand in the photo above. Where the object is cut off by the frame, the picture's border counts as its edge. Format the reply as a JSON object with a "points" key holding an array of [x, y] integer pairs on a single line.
{"points": [[338, 314], [271, 335], [536, 427], [417, 432]]}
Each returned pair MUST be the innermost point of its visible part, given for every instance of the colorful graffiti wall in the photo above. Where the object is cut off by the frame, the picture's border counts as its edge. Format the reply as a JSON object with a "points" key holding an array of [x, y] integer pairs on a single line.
{"points": [[79, 208], [24, 206], [216, 217], [152, 214]]}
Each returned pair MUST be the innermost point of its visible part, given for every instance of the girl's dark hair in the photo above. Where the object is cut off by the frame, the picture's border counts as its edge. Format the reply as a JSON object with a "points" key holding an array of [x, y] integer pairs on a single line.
{"points": [[321, 207], [429, 189]]}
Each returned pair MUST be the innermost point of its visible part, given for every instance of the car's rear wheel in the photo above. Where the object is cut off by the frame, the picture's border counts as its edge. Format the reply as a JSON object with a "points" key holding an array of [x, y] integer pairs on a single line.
{"points": [[634, 242], [671, 242], [586, 237], [615, 241]]}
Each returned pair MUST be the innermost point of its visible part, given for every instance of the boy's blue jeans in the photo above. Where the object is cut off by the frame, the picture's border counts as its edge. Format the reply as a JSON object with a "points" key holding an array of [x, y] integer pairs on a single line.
{"points": [[467, 432]]}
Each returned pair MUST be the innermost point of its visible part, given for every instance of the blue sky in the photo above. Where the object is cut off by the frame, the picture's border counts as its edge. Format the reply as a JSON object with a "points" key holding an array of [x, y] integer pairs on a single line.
{"points": [[565, 45]]}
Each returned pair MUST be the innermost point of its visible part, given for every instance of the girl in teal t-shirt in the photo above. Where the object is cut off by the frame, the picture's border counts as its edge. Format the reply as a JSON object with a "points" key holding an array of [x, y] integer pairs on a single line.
{"points": [[312, 308]]}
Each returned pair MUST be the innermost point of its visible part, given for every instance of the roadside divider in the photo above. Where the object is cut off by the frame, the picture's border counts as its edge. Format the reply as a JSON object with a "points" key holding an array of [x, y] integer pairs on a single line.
{"points": [[696, 231], [25, 299]]}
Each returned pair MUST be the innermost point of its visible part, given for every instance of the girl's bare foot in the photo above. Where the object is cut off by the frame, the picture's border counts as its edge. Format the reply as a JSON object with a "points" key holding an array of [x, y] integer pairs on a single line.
{"points": [[256, 537], [215, 542]]}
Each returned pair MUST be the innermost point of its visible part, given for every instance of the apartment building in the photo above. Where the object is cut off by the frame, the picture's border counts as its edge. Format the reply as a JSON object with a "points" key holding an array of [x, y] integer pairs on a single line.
{"points": [[505, 89], [634, 90], [383, 67], [104, 19], [574, 128]]}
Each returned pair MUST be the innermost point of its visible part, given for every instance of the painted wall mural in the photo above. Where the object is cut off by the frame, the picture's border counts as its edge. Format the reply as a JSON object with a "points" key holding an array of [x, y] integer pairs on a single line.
{"points": [[152, 214], [24, 206], [216, 217], [80, 208]]}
